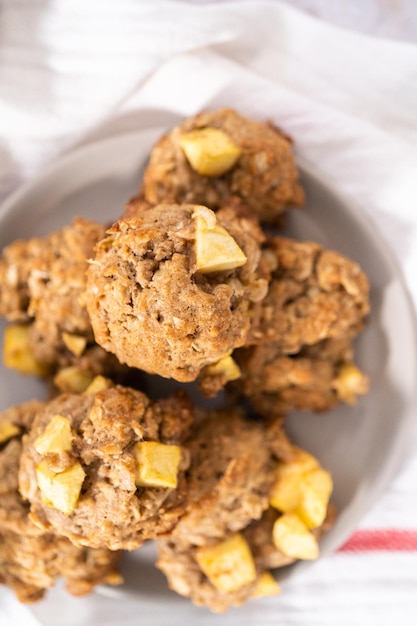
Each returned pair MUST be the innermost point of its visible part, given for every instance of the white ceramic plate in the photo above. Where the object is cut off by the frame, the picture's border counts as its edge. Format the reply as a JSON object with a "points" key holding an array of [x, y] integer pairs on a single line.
{"points": [[362, 446]]}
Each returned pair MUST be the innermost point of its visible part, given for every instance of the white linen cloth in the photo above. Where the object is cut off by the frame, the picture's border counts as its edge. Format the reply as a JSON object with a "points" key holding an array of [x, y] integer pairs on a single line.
{"points": [[72, 72]]}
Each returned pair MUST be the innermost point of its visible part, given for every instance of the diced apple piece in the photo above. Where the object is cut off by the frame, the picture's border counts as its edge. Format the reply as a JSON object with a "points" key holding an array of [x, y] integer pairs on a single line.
{"points": [[61, 490], [98, 384], [216, 250], [286, 491], [75, 343], [57, 436], [18, 354], [228, 565], [157, 464], [210, 151], [266, 585], [350, 383], [72, 379], [8, 430], [316, 489], [226, 367], [292, 537], [304, 487]]}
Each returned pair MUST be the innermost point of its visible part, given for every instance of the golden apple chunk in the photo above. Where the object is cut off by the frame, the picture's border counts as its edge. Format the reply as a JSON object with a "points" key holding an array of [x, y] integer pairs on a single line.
{"points": [[210, 151], [18, 354], [286, 491], [302, 486], [157, 464], [75, 343], [98, 384], [57, 436], [350, 383], [215, 248], [316, 489], [228, 565], [292, 537], [61, 490], [226, 366], [72, 379]]}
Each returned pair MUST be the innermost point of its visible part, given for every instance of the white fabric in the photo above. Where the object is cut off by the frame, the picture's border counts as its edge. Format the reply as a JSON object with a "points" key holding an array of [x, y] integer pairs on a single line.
{"points": [[72, 72]]}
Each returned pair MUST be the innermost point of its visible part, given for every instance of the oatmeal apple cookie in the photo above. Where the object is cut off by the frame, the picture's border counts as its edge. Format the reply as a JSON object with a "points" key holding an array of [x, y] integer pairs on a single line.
{"points": [[303, 332], [300, 347], [41, 280], [230, 475], [171, 290], [31, 560], [216, 155], [222, 550], [106, 468]]}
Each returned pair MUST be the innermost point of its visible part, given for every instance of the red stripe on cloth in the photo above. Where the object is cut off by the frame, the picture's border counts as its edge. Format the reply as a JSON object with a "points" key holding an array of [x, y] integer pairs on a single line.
{"points": [[384, 540]]}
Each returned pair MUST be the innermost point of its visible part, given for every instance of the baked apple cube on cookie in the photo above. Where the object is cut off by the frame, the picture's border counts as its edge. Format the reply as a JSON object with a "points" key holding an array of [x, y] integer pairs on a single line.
{"points": [[41, 281], [32, 559], [222, 550], [106, 468], [171, 290], [218, 155]]}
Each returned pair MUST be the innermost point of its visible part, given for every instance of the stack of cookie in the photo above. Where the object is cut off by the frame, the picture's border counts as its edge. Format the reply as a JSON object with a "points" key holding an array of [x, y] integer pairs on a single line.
{"points": [[192, 283]]}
